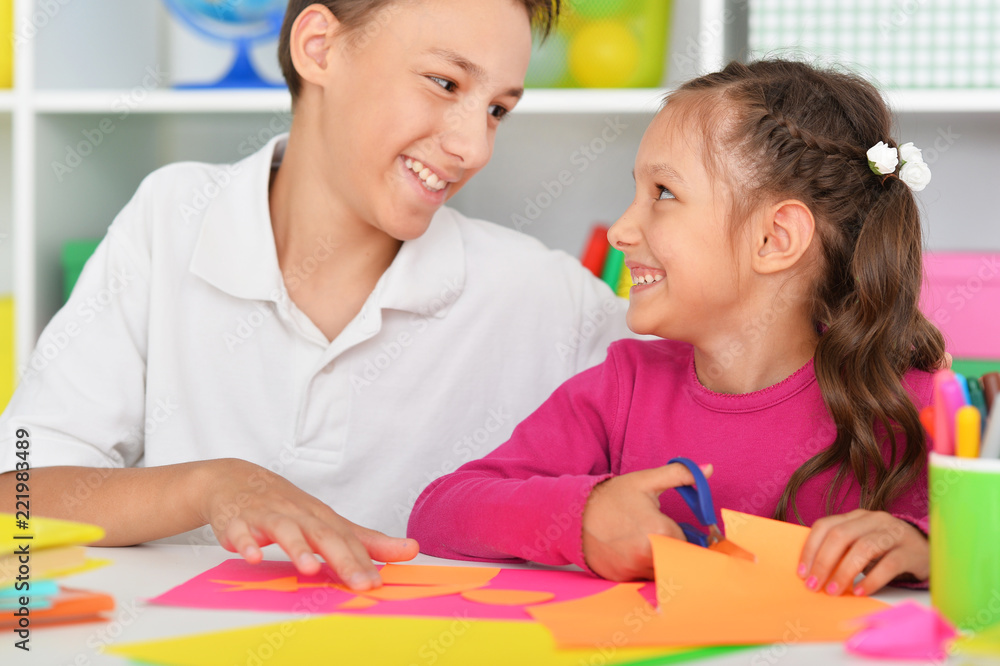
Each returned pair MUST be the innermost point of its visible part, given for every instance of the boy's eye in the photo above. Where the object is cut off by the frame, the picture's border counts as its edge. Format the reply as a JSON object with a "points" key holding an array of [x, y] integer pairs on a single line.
{"points": [[664, 193], [498, 111], [444, 83]]}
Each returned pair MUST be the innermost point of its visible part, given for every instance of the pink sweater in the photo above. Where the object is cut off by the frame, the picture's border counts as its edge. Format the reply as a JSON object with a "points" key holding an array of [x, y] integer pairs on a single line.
{"points": [[643, 406]]}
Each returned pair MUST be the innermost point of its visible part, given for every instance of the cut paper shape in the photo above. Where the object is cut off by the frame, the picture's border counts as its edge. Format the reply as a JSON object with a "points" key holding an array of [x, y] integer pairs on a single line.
{"points": [[357, 603], [409, 592], [906, 631], [984, 643], [353, 640], [507, 597], [202, 592], [419, 574], [708, 598], [292, 584]]}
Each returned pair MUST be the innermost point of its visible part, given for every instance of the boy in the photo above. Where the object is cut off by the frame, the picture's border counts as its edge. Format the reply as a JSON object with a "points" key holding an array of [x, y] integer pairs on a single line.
{"points": [[311, 349]]}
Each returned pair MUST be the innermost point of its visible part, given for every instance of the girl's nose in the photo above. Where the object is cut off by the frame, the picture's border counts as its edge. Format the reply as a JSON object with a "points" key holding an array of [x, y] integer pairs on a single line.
{"points": [[624, 232]]}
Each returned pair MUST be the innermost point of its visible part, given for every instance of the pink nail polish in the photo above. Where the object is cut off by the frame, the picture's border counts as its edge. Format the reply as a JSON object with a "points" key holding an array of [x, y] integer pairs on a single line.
{"points": [[859, 591], [812, 582], [802, 570], [832, 589]]}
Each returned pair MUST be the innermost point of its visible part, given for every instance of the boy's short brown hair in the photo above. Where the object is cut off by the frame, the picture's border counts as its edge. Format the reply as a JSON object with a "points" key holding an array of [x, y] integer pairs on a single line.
{"points": [[358, 15]]}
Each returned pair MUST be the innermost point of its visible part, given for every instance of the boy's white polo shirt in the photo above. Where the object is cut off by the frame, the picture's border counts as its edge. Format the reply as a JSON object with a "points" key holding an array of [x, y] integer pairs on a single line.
{"points": [[180, 343]]}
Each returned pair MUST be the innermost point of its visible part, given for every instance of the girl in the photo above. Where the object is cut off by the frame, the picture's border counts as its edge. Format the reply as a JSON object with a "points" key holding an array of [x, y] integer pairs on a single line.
{"points": [[290, 347], [782, 271]]}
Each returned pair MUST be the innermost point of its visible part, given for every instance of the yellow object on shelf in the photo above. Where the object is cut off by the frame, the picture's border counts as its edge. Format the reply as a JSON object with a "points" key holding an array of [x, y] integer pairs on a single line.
{"points": [[624, 286], [7, 374], [7, 44]]}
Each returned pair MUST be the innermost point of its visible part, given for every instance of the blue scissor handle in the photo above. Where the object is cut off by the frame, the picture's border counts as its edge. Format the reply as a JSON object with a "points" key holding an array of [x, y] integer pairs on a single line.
{"points": [[699, 497], [694, 535]]}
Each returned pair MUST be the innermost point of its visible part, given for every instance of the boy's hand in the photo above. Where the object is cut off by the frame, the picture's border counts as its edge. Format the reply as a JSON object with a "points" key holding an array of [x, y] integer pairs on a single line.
{"points": [[620, 514], [249, 506], [874, 542]]}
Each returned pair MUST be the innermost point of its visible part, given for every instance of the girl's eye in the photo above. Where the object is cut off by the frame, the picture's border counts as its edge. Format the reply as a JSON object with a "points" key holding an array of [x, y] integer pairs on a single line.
{"points": [[498, 111], [664, 193], [444, 83]]}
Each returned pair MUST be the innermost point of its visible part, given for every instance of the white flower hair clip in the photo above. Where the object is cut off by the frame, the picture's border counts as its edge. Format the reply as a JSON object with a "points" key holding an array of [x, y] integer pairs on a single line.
{"points": [[882, 160]]}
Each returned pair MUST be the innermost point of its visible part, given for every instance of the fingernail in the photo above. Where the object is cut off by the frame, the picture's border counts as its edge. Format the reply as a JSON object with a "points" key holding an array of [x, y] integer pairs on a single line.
{"points": [[705, 468], [832, 589], [306, 560], [359, 581], [802, 570], [859, 591], [375, 579], [812, 582]]}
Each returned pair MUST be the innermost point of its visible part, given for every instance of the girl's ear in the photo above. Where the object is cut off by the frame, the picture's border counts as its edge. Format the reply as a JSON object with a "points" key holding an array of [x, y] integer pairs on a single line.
{"points": [[785, 233], [312, 42]]}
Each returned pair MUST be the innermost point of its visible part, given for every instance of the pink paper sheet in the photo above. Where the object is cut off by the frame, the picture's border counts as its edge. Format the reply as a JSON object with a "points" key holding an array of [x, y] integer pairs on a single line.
{"points": [[201, 592]]}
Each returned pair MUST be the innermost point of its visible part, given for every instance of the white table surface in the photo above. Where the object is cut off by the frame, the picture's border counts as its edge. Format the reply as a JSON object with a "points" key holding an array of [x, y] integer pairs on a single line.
{"points": [[142, 572]]}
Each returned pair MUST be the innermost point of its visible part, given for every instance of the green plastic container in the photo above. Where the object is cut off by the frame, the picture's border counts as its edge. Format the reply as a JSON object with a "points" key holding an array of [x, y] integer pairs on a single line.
{"points": [[965, 540], [974, 367], [604, 44], [74, 255]]}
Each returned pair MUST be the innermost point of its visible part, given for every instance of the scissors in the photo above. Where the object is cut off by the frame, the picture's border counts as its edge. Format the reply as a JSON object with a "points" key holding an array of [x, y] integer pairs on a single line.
{"points": [[699, 498]]}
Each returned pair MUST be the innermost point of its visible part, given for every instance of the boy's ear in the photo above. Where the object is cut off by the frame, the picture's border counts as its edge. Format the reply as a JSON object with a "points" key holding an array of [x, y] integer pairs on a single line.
{"points": [[312, 41], [785, 233]]}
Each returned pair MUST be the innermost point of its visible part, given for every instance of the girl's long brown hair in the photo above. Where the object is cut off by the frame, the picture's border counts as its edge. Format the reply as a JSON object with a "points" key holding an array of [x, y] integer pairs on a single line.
{"points": [[801, 132]]}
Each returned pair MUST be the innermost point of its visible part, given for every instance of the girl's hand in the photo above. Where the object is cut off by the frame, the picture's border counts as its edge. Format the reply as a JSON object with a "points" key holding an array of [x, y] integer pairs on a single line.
{"points": [[249, 506], [874, 542], [620, 514]]}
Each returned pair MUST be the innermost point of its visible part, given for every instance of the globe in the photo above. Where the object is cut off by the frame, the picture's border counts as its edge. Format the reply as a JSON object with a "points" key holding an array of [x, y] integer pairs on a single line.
{"points": [[240, 22]]}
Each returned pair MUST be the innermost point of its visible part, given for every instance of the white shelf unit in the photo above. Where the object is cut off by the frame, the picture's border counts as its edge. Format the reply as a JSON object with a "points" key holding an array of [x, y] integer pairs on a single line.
{"points": [[87, 65]]}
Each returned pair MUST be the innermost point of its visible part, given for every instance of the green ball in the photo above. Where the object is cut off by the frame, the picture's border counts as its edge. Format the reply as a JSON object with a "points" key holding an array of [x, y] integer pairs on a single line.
{"points": [[600, 9], [548, 63], [604, 54]]}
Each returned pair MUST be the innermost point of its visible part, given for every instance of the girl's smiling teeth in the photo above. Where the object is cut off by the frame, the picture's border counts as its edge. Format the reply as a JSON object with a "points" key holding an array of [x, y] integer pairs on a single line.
{"points": [[426, 176], [645, 276]]}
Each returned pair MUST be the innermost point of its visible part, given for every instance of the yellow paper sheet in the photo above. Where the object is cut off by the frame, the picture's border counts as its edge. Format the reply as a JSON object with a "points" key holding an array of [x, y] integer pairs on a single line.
{"points": [[45, 533], [348, 640], [708, 598]]}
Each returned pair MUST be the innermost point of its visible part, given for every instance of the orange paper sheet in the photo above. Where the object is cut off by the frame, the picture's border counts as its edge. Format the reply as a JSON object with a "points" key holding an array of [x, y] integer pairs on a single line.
{"points": [[708, 598], [70, 605], [508, 597]]}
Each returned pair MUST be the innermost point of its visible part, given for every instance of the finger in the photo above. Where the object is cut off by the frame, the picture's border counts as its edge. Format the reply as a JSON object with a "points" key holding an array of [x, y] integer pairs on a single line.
{"points": [[287, 533], [345, 554], [669, 528], [881, 574], [240, 537], [867, 549], [817, 534], [836, 543], [660, 479], [385, 548]]}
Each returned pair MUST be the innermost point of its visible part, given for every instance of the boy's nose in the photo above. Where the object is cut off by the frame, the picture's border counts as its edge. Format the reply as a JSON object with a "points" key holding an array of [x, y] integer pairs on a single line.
{"points": [[467, 136]]}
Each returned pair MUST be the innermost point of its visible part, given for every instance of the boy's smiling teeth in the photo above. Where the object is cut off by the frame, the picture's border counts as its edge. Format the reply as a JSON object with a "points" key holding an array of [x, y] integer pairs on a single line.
{"points": [[427, 177]]}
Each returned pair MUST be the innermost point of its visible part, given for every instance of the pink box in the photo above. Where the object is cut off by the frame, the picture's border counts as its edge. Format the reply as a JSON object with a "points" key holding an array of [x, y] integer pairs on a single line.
{"points": [[961, 296]]}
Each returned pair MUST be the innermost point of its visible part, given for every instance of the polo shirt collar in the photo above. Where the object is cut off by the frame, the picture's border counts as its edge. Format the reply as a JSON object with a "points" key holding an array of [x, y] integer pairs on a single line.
{"points": [[428, 274], [236, 253]]}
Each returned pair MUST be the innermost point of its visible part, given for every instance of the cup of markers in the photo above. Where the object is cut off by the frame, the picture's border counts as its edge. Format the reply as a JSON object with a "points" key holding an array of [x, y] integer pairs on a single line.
{"points": [[964, 479], [603, 44]]}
